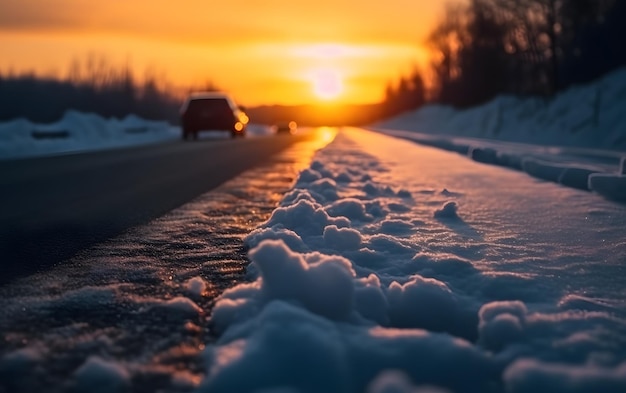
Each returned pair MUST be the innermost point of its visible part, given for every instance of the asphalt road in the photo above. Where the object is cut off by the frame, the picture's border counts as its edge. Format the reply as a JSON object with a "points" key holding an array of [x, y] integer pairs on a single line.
{"points": [[51, 208]]}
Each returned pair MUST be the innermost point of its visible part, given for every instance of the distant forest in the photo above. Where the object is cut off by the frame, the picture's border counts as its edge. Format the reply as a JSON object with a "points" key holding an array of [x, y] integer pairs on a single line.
{"points": [[482, 48], [93, 85]]}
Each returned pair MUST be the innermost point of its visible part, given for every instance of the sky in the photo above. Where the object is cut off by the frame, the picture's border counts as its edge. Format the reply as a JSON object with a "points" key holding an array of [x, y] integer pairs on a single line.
{"points": [[277, 51], [386, 265]]}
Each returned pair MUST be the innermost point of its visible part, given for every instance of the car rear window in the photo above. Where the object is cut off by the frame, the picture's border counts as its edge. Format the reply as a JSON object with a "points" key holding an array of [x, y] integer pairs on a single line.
{"points": [[217, 105]]}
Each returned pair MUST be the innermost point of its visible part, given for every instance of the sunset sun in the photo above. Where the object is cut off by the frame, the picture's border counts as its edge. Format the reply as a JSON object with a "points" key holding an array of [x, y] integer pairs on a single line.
{"points": [[327, 84]]}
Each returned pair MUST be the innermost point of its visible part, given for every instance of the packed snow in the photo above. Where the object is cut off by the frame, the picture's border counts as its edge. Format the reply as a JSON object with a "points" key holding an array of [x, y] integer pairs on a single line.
{"points": [[391, 266]]}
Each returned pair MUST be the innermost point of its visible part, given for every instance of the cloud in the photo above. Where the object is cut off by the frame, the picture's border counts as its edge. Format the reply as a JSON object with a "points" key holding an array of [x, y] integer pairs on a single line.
{"points": [[41, 14]]}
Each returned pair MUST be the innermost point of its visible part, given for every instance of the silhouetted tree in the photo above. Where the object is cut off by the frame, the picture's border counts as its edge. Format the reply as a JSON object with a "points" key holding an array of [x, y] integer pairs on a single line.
{"points": [[90, 86], [489, 47], [407, 94]]}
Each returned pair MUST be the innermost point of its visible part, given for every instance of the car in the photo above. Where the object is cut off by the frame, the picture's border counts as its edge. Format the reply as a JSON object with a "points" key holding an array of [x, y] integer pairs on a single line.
{"points": [[286, 127], [212, 111]]}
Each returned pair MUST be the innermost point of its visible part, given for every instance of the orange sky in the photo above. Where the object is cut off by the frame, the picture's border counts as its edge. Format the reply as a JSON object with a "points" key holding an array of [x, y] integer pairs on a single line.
{"points": [[263, 52]]}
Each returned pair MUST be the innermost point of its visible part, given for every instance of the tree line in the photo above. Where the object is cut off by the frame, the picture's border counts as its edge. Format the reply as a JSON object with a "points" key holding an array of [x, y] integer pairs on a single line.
{"points": [[93, 85], [484, 48]]}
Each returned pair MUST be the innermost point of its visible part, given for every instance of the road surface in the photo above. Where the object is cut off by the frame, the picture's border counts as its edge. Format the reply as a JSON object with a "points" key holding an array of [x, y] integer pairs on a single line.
{"points": [[52, 207]]}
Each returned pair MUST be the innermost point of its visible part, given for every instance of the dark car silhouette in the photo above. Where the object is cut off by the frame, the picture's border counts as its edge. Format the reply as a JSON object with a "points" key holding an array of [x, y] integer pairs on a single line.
{"points": [[286, 127], [212, 112]]}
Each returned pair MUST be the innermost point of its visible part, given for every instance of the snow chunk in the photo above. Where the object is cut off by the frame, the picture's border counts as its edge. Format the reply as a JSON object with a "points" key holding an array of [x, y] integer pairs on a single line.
{"points": [[305, 218], [501, 323], [308, 175], [100, 376], [542, 169], [351, 208], [608, 185], [370, 300], [532, 376], [287, 346], [483, 154], [289, 237], [394, 381], [323, 284], [396, 227], [17, 368], [179, 306], [425, 303], [195, 287], [447, 211], [342, 239]]}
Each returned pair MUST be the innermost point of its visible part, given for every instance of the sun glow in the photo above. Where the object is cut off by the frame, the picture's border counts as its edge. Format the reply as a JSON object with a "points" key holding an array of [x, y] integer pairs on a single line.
{"points": [[327, 84]]}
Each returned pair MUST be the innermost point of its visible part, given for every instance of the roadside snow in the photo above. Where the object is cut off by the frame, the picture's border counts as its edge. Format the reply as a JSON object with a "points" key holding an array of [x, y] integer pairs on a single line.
{"points": [[393, 265], [77, 132], [576, 139], [589, 116]]}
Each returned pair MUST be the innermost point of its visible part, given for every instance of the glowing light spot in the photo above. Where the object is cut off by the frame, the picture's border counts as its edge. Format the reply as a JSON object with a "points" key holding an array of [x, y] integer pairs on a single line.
{"points": [[327, 84]]}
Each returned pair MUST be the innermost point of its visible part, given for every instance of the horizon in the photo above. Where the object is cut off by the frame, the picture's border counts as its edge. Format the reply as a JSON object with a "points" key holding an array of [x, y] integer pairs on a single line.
{"points": [[268, 55]]}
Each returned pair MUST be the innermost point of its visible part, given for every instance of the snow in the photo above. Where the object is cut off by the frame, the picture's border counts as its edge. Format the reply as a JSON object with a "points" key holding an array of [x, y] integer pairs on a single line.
{"points": [[475, 284], [393, 266], [76, 132], [98, 375], [589, 115], [577, 139], [196, 287]]}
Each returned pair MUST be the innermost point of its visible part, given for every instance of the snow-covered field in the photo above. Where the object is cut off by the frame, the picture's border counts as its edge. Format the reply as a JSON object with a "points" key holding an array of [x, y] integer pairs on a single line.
{"points": [[396, 267]]}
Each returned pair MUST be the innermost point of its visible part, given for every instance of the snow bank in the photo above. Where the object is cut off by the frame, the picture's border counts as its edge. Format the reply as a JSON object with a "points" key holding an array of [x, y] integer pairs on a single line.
{"points": [[78, 131], [340, 300], [589, 116]]}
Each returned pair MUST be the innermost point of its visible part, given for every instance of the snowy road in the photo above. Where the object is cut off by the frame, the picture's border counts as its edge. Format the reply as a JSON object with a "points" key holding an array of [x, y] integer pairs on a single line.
{"points": [[388, 264], [52, 207], [142, 297]]}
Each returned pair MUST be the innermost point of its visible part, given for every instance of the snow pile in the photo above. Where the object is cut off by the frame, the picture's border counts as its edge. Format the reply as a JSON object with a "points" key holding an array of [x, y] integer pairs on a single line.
{"points": [[576, 120], [347, 295], [78, 131], [591, 116]]}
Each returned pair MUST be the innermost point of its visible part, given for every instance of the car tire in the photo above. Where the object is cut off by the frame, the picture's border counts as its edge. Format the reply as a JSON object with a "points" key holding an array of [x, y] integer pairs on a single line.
{"points": [[186, 133]]}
